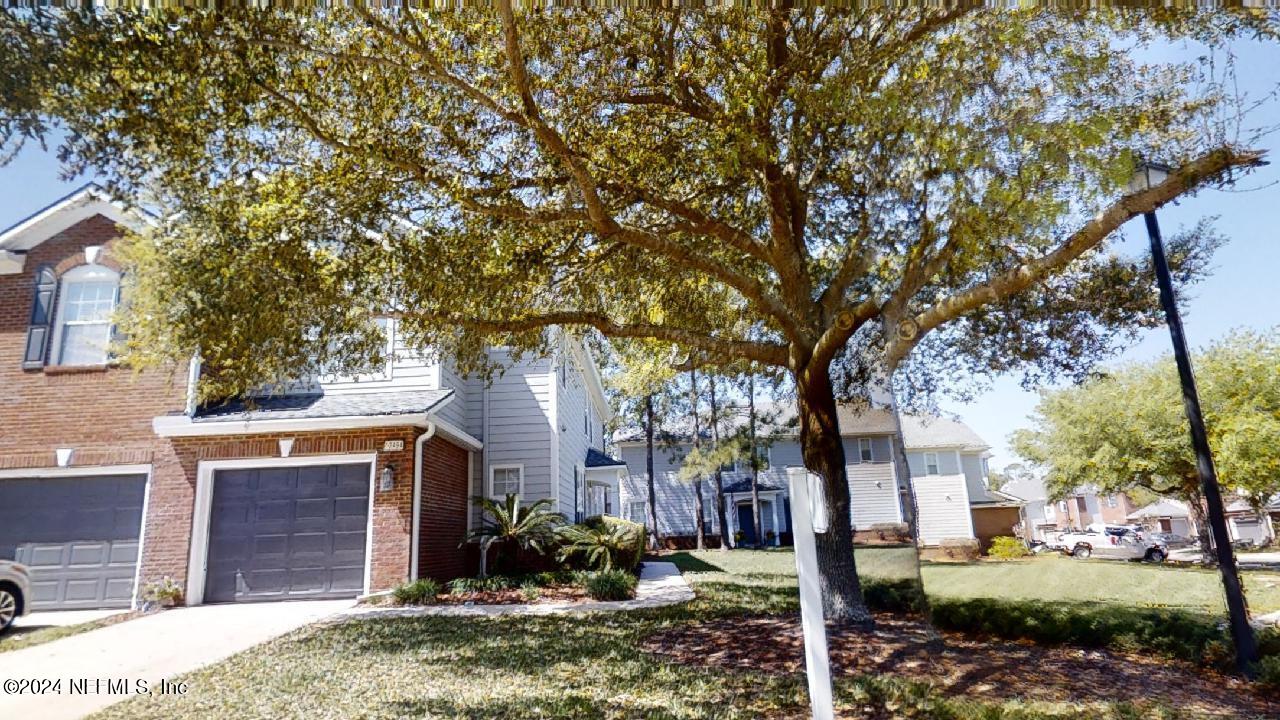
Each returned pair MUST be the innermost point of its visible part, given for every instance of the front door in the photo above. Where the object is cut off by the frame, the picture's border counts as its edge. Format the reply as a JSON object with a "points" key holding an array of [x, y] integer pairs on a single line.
{"points": [[746, 523]]}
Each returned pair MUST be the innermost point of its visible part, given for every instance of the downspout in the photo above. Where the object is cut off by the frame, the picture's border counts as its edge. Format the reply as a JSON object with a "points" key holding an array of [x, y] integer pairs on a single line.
{"points": [[417, 497]]}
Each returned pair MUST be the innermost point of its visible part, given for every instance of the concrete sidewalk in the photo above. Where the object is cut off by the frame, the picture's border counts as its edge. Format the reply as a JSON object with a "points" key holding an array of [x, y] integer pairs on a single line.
{"points": [[145, 649]]}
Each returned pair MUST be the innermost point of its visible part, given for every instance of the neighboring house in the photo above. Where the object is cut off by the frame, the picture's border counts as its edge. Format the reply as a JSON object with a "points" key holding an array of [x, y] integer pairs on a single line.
{"points": [[1165, 515], [1087, 506], [947, 462], [341, 486], [1039, 514]]}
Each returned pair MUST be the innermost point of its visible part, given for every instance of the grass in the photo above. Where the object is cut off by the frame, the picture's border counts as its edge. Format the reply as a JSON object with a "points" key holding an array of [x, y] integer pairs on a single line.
{"points": [[1046, 577], [568, 667], [18, 637]]}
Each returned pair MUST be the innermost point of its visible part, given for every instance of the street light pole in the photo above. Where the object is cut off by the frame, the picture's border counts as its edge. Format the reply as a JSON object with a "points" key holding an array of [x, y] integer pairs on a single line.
{"points": [[1237, 610]]}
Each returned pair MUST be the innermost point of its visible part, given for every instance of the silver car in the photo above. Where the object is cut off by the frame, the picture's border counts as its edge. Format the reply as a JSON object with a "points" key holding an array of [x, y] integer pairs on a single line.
{"points": [[15, 589]]}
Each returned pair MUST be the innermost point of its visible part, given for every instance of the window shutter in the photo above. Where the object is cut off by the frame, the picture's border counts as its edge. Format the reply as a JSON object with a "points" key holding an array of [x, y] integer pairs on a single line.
{"points": [[41, 325]]}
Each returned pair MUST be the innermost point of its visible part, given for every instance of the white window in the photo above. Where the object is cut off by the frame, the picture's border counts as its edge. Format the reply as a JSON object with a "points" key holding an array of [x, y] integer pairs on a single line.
{"points": [[931, 464], [864, 449], [636, 511], [1112, 501], [1062, 505], [506, 480], [87, 298], [1048, 511]]}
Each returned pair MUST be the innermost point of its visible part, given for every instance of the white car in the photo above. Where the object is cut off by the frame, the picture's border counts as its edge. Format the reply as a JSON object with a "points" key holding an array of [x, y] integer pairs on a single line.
{"points": [[15, 589], [1112, 542]]}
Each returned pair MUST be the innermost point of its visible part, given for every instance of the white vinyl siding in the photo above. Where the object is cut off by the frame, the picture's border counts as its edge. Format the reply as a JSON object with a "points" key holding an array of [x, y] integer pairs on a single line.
{"points": [[873, 495], [944, 508]]}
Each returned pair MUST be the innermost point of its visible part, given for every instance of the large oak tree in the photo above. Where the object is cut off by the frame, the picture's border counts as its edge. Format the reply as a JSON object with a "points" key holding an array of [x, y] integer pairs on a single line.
{"points": [[853, 185]]}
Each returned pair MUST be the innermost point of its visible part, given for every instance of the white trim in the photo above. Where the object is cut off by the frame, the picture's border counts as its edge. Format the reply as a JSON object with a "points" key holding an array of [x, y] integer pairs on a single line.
{"points": [[453, 432], [556, 387], [74, 471], [80, 274], [595, 386], [488, 490], [871, 450], [142, 541], [11, 263], [198, 557], [81, 205], [937, 464], [182, 426]]}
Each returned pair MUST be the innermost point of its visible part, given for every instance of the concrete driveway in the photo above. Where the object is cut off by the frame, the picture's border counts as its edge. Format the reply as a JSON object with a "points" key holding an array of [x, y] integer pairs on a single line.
{"points": [[146, 649]]}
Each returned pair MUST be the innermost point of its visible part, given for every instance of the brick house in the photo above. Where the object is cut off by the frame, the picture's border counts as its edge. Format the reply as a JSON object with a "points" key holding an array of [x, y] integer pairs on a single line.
{"points": [[111, 479]]}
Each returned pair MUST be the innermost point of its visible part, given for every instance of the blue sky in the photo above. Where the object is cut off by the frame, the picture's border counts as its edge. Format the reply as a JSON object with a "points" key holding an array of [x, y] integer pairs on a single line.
{"points": [[1242, 292]]}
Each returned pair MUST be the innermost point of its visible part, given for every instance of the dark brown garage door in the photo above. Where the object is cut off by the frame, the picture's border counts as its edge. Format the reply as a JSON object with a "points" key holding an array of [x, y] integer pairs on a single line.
{"points": [[79, 535], [287, 533]]}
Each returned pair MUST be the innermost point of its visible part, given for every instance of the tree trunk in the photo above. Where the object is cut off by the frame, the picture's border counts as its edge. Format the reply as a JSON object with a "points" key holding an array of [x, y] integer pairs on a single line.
{"points": [[655, 541], [755, 462], [699, 522], [719, 477], [1195, 505], [842, 600]]}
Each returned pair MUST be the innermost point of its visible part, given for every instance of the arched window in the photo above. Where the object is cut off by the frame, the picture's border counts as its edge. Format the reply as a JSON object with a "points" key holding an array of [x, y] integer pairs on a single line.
{"points": [[87, 295]]}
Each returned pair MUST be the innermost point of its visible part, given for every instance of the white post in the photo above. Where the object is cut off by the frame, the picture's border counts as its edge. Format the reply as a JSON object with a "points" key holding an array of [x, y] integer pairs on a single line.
{"points": [[809, 515], [777, 529]]}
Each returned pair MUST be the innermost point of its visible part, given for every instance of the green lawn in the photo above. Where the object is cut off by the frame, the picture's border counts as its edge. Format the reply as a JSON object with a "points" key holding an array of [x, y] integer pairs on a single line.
{"points": [[575, 667], [1047, 577]]}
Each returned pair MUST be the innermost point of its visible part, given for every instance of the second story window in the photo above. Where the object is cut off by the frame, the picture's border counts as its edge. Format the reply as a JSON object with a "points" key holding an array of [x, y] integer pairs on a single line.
{"points": [[931, 464], [864, 449], [505, 480], [87, 297]]}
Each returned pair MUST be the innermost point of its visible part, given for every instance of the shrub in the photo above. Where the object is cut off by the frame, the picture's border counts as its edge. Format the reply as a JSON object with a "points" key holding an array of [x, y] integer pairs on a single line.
{"points": [[611, 585], [493, 583], [896, 596], [418, 592], [1268, 669], [604, 543], [1007, 548], [530, 590], [166, 591], [1174, 633]]}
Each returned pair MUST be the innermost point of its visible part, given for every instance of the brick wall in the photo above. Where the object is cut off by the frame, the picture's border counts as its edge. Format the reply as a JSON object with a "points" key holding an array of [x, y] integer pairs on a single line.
{"points": [[104, 413], [169, 519], [443, 510]]}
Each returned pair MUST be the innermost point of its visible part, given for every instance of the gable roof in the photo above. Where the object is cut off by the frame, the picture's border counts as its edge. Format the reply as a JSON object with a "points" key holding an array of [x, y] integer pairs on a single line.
{"points": [[1163, 507], [920, 431], [295, 407], [80, 204]]}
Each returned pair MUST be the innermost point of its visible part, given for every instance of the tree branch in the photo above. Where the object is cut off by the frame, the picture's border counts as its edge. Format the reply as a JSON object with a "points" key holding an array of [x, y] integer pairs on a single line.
{"points": [[1186, 178], [727, 349]]}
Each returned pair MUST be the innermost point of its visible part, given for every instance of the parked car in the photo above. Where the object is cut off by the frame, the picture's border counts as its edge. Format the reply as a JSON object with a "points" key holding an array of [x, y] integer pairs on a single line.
{"points": [[15, 588], [1111, 542]]}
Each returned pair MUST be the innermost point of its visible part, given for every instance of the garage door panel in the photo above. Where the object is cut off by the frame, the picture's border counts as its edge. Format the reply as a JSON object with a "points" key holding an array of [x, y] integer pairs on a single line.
{"points": [[78, 534], [272, 510], [314, 509], [294, 542]]}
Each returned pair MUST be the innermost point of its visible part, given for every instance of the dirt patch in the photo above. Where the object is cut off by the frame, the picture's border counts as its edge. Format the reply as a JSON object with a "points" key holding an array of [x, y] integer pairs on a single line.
{"points": [[549, 594], [982, 669]]}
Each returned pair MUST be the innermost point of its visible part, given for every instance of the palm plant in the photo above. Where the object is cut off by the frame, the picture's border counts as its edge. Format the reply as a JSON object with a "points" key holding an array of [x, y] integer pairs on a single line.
{"points": [[531, 527], [599, 546]]}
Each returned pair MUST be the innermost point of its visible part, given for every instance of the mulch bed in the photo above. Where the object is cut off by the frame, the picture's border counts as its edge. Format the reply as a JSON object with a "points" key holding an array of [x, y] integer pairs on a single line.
{"points": [[548, 594], [979, 668]]}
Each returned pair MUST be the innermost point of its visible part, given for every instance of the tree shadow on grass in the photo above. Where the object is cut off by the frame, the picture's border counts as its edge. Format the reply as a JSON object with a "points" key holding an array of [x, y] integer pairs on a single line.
{"points": [[687, 562]]}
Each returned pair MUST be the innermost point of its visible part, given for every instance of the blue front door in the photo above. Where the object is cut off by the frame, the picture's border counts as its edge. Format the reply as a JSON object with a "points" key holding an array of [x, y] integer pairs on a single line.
{"points": [[747, 525]]}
